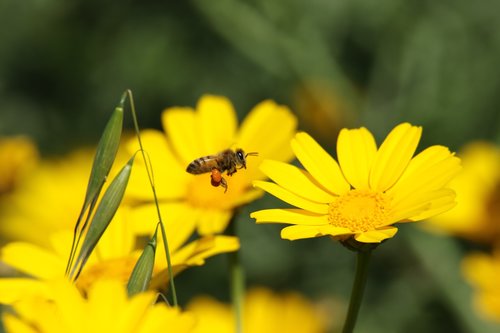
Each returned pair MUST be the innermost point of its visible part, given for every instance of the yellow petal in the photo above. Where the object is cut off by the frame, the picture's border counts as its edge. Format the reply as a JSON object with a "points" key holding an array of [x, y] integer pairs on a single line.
{"points": [[292, 199], [134, 312], [290, 216], [15, 289], [192, 254], [376, 236], [106, 299], [60, 242], [247, 197], [296, 181], [430, 170], [356, 149], [119, 239], [216, 120], [13, 324], [268, 129], [393, 156], [70, 304], [479, 268], [169, 174], [295, 232], [160, 317], [213, 221], [33, 260], [442, 202], [197, 251], [18, 156], [178, 217], [417, 205], [402, 214], [319, 163], [259, 133], [181, 128]]}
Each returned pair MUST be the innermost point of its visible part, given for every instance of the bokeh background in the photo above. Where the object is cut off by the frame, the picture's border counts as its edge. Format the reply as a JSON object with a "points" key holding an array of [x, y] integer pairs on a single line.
{"points": [[340, 63]]}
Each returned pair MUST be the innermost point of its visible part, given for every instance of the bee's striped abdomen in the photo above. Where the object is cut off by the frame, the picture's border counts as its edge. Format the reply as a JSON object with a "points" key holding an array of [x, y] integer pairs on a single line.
{"points": [[202, 165]]}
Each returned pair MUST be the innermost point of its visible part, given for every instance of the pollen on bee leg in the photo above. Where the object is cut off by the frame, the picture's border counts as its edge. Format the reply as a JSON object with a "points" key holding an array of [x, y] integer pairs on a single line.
{"points": [[214, 183], [216, 177], [223, 183]]}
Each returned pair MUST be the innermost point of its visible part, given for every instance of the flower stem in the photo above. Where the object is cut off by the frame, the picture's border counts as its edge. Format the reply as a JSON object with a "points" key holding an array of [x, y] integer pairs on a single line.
{"points": [[237, 280], [149, 171], [362, 260]]}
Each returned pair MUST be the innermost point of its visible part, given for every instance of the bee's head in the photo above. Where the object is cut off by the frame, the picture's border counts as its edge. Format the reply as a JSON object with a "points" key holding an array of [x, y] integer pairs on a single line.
{"points": [[241, 157]]}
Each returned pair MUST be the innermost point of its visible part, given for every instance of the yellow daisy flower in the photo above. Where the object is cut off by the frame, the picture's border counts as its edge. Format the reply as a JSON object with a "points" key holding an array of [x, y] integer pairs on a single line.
{"points": [[366, 192], [263, 312], [38, 219], [207, 130], [482, 271], [114, 257], [106, 309], [18, 155], [48, 199], [477, 214]]}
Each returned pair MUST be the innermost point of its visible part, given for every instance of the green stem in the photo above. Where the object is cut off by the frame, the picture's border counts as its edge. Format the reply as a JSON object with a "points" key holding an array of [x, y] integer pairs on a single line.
{"points": [[362, 260], [153, 188], [237, 277]]}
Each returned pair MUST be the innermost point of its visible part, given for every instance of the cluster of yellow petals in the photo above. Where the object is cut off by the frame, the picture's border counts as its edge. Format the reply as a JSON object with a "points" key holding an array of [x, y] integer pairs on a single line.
{"points": [[366, 192], [58, 306], [263, 312], [477, 214], [209, 128]]}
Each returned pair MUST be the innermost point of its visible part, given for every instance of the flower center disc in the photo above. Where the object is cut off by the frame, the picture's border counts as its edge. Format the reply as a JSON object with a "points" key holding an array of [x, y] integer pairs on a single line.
{"points": [[359, 210]]}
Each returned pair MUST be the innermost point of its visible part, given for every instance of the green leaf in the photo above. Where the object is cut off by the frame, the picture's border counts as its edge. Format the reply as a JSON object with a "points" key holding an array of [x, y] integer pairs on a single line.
{"points": [[143, 270], [103, 215]]}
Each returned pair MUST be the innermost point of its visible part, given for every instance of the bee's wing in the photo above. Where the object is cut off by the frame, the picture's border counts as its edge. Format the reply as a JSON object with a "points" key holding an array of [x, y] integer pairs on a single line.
{"points": [[203, 164]]}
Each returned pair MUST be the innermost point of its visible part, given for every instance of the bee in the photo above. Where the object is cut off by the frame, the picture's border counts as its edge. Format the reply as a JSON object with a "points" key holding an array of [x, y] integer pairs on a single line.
{"points": [[227, 160]]}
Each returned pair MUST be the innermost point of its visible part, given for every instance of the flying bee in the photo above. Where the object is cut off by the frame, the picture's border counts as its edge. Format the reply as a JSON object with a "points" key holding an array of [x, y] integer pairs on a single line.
{"points": [[227, 160]]}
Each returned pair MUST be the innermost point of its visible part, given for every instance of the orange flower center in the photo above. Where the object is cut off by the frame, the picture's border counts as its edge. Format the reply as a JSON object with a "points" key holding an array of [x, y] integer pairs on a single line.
{"points": [[359, 210]]}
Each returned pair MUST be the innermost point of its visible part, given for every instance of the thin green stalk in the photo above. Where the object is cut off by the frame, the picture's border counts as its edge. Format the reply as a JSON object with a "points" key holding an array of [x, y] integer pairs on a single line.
{"points": [[78, 233], [237, 277], [153, 188], [358, 287]]}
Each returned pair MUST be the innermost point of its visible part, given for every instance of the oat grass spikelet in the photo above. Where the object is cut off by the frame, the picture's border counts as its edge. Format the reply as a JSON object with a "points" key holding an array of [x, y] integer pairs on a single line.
{"points": [[366, 192]]}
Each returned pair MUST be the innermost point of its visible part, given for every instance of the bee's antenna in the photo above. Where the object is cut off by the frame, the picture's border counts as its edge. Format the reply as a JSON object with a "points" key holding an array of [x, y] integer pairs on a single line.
{"points": [[254, 153]]}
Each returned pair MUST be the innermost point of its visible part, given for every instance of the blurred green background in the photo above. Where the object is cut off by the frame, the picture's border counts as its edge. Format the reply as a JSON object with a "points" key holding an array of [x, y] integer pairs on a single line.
{"points": [[337, 63]]}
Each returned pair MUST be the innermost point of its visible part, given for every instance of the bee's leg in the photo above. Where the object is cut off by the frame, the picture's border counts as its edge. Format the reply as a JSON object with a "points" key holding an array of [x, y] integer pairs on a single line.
{"points": [[231, 170], [223, 183]]}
